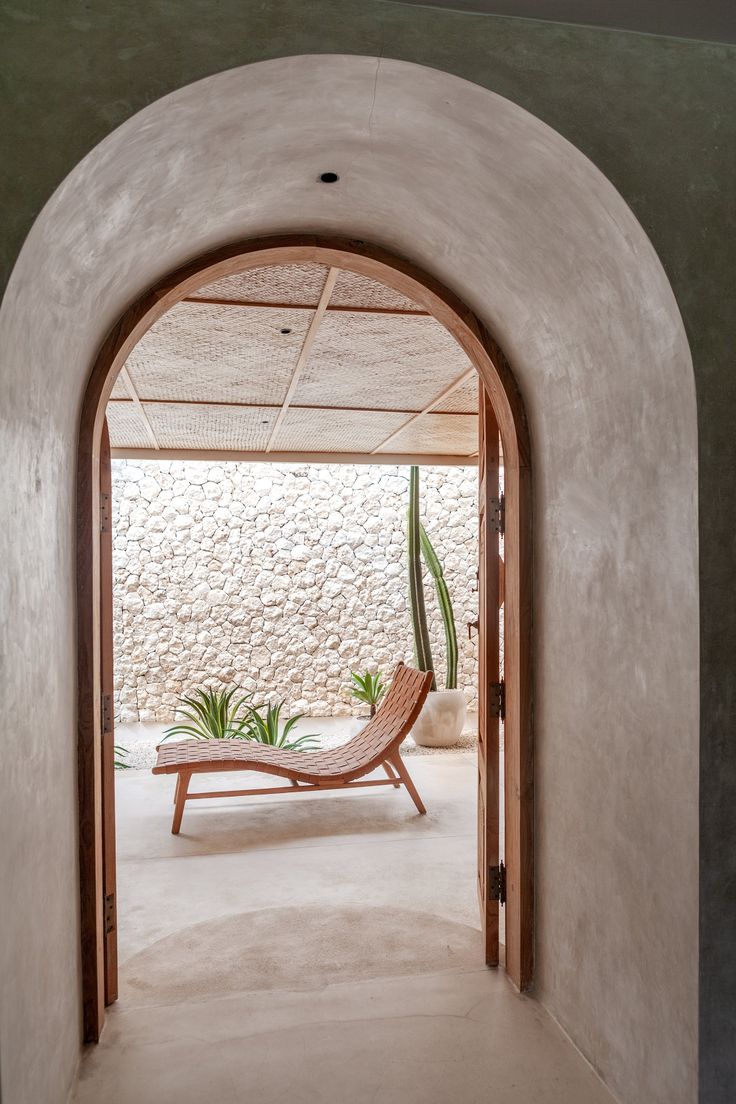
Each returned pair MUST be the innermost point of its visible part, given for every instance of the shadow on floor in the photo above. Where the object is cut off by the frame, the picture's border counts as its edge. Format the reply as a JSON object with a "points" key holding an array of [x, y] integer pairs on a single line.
{"points": [[295, 948]]}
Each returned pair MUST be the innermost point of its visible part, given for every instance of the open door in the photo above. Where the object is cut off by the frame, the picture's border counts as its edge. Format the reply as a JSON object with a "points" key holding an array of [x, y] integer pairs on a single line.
{"points": [[491, 889], [108, 725]]}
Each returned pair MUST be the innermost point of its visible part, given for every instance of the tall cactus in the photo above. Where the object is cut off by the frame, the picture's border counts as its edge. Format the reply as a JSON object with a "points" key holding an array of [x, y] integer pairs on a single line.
{"points": [[443, 599], [422, 649]]}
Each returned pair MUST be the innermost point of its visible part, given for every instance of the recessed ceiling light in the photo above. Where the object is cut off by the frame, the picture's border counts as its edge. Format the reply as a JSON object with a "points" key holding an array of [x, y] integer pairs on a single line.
{"points": [[329, 177]]}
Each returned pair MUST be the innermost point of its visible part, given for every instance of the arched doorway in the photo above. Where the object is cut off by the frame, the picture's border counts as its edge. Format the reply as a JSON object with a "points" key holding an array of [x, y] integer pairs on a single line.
{"points": [[545, 252], [499, 384]]}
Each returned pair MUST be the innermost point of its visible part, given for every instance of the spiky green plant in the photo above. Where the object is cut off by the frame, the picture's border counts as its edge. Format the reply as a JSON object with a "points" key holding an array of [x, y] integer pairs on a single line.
{"points": [[213, 716], [443, 599], [368, 688], [265, 728], [417, 607], [121, 754]]}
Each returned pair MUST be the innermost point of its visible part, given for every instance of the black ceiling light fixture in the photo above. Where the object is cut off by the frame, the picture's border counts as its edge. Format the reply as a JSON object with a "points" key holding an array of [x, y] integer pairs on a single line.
{"points": [[328, 178]]}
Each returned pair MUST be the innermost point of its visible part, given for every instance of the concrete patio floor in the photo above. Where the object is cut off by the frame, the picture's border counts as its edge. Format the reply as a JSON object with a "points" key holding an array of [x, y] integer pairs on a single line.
{"points": [[320, 949]]}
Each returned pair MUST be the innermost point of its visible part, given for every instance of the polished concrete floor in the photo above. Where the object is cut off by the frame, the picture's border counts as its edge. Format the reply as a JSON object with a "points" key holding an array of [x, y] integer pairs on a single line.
{"points": [[315, 950]]}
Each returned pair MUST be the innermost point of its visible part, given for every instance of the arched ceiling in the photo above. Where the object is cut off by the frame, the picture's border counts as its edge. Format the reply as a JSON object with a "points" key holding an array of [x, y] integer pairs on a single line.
{"points": [[297, 359]]}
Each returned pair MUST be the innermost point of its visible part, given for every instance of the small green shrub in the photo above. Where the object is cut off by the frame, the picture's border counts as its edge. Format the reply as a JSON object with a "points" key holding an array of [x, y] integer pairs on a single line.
{"points": [[368, 688], [213, 716], [121, 754], [265, 729]]}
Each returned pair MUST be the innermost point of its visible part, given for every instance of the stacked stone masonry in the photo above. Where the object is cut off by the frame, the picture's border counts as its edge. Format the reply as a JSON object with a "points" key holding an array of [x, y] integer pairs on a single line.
{"points": [[278, 578]]}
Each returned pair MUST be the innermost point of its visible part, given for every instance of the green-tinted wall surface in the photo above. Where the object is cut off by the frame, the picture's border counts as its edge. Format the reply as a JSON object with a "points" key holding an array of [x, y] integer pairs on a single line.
{"points": [[658, 116]]}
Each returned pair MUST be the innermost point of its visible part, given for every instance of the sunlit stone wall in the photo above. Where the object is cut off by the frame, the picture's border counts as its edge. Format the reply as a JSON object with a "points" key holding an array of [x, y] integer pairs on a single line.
{"points": [[278, 578]]}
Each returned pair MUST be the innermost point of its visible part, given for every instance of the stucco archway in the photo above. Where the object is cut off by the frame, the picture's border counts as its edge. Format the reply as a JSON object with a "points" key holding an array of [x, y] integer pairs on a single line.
{"points": [[525, 230]]}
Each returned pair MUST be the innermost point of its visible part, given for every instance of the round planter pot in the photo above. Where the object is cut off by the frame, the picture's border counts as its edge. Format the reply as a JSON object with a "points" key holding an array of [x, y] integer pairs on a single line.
{"points": [[440, 724]]}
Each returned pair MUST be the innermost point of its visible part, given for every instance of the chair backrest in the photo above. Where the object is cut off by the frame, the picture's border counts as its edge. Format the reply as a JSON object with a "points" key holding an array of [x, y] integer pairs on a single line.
{"points": [[395, 716]]}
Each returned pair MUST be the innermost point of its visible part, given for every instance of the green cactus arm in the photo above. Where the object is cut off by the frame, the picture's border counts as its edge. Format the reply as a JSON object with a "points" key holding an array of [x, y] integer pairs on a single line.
{"points": [[443, 597], [422, 649]]}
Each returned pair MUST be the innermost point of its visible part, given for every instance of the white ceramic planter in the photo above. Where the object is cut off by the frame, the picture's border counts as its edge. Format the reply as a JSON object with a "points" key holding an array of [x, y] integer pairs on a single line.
{"points": [[440, 724]]}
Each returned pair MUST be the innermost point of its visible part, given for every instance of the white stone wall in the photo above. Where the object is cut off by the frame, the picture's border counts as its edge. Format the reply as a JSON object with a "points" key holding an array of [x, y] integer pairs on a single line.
{"points": [[280, 578]]}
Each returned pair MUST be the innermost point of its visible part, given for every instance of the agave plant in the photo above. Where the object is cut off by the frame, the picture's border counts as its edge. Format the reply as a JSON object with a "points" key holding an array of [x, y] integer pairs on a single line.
{"points": [[121, 754], [265, 729], [368, 688], [213, 716]]}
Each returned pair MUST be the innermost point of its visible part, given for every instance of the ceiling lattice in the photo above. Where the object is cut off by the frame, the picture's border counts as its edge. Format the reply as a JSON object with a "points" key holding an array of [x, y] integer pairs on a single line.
{"points": [[297, 359]]}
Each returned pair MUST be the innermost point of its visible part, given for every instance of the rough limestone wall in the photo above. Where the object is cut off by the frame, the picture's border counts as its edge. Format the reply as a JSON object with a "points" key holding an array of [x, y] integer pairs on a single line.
{"points": [[280, 578]]}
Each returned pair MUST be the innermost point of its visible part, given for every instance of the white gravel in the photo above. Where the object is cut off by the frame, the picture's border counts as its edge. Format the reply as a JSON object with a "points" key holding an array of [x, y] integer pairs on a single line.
{"points": [[141, 739]]}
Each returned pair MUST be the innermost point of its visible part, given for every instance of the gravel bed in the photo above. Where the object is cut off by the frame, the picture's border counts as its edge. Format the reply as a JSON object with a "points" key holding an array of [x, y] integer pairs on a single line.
{"points": [[141, 740]]}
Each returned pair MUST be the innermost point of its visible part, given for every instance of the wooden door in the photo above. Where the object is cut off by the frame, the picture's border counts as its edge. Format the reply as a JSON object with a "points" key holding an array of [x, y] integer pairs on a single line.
{"points": [[107, 727], [490, 687]]}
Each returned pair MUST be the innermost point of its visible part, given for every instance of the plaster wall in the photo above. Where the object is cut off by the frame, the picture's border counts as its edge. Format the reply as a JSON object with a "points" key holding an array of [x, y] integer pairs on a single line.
{"points": [[280, 579], [523, 227]]}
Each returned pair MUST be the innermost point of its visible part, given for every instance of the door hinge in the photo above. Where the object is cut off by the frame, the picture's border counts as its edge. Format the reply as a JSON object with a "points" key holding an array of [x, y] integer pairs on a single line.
{"points": [[105, 520], [497, 699], [497, 519], [109, 913], [497, 883], [106, 714]]}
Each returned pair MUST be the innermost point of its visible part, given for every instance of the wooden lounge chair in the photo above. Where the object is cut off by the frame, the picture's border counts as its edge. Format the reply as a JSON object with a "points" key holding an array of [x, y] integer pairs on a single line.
{"points": [[376, 745]]}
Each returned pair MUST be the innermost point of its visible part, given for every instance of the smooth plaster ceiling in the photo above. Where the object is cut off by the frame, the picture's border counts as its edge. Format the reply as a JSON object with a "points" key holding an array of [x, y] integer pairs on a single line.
{"points": [[252, 365]]}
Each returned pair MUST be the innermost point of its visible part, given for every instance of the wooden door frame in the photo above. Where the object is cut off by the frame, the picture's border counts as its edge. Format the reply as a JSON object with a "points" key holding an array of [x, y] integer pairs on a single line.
{"points": [[109, 865], [489, 672], [495, 372]]}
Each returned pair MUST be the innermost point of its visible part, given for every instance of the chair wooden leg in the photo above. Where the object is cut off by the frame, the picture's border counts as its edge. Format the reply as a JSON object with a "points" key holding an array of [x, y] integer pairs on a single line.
{"points": [[405, 777], [391, 773], [177, 787], [181, 795]]}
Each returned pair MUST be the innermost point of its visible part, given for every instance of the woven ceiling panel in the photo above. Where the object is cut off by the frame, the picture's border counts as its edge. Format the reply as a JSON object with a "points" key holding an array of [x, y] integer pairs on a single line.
{"points": [[126, 426], [211, 427], [200, 356], [272, 284], [219, 354], [119, 390], [352, 290], [328, 431], [451, 434], [462, 401], [380, 361]]}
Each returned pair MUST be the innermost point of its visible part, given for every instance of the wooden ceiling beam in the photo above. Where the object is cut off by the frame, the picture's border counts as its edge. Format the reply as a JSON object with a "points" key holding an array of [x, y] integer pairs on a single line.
{"points": [[450, 390], [292, 406], [125, 377], [220, 455], [217, 302], [306, 348]]}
